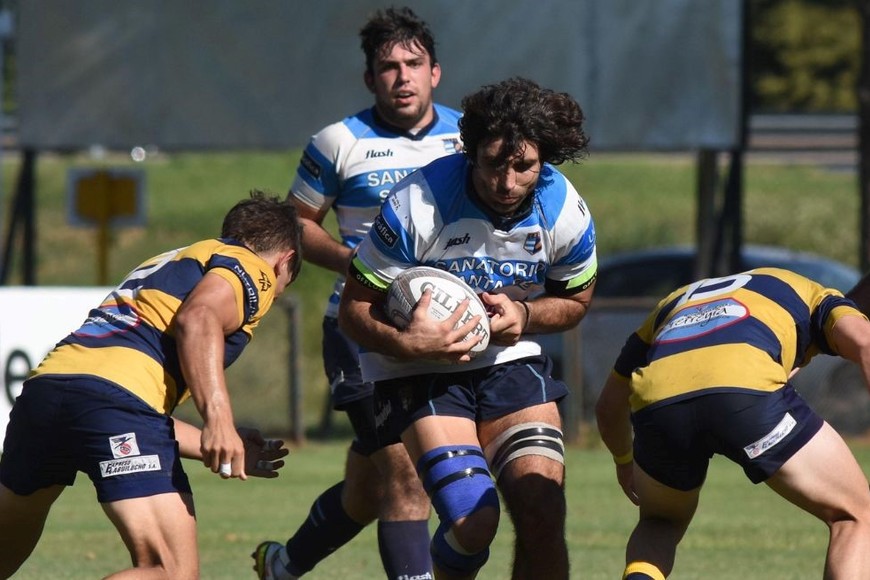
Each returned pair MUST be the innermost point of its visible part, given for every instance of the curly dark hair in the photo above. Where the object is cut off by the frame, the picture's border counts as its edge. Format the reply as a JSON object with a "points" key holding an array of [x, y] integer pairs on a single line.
{"points": [[387, 28], [264, 224], [519, 110]]}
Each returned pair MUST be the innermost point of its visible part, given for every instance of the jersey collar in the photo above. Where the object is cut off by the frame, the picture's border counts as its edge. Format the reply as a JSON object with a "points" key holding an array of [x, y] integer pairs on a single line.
{"points": [[378, 120]]}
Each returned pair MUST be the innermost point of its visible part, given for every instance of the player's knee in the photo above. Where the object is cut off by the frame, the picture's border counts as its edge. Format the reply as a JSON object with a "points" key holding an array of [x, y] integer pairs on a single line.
{"points": [[464, 496], [449, 554]]}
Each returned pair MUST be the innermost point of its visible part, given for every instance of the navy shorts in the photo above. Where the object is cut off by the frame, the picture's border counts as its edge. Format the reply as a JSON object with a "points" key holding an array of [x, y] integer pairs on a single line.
{"points": [[341, 363], [674, 441], [362, 419], [59, 426], [480, 394]]}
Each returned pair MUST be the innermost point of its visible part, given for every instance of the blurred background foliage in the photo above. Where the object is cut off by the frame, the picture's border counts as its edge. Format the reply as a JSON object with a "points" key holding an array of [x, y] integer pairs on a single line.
{"points": [[804, 55]]}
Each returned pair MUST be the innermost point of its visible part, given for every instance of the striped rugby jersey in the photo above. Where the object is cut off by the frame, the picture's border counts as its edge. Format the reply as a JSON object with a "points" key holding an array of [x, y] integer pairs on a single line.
{"points": [[129, 339], [745, 331], [433, 219], [352, 165]]}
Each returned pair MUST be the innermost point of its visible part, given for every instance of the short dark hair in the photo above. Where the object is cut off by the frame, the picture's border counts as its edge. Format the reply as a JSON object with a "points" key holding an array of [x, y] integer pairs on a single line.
{"points": [[387, 28], [518, 110], [265, 224]]}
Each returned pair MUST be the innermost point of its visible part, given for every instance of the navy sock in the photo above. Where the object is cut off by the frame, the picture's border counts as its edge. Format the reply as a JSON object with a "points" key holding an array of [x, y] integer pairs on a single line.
{"points": [[404, 549], [327, 528]]}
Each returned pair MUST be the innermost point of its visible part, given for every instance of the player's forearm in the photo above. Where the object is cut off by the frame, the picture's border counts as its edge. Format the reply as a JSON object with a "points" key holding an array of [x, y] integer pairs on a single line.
{"points": [[549, 314], [851, 335], [188, 438], [321, 249], [613, 416], [366, 325], [860, 294]]}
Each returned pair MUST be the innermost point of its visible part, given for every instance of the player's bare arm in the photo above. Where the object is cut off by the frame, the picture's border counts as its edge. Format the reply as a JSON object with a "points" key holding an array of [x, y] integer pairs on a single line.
{"points": [[851, 336], [613, 416], [209, 313], [544, 314], [361, 316], [318, 245], [860, 294]]}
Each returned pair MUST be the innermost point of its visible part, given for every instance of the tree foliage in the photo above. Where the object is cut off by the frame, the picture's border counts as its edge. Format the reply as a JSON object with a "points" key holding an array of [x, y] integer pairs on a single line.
{"points": [[804, 55]]}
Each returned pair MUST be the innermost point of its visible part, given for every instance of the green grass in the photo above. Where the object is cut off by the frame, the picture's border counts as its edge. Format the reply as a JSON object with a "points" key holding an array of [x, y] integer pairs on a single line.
{"points": [[740, 531]]}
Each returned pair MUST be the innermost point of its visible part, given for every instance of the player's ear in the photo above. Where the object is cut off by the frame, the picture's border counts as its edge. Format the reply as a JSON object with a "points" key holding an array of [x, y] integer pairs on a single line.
{"points": [[436, 74], [288, 263], [369, 80]]}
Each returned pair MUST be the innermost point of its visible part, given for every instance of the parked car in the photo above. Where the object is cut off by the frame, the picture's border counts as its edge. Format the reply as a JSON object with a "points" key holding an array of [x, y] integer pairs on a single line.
{"points": [[629, 284]]}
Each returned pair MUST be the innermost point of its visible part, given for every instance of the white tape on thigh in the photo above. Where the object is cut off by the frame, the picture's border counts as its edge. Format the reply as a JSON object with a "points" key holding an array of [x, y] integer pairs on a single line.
{"points": [[524, 439]]}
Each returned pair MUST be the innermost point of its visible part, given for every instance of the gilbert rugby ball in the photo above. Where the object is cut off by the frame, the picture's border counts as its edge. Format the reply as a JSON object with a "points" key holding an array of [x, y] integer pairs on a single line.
{"points": [[447, 293]]}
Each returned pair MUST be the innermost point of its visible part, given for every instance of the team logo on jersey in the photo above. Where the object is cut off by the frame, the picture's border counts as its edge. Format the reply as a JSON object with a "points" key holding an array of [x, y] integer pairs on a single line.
{"points": [[701, 319], [265, 284], [109, 319], [533, 243], [384, 231], [452, 145], [124, 445], [310, 165]]}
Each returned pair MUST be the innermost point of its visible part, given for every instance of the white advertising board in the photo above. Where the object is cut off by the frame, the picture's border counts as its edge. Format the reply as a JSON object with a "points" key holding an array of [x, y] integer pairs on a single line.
{"points": [[32, 321]]}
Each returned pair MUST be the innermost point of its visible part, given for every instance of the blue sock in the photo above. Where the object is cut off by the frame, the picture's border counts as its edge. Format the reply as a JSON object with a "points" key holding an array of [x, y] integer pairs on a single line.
{"points": [[327, 528], [404, 549]]}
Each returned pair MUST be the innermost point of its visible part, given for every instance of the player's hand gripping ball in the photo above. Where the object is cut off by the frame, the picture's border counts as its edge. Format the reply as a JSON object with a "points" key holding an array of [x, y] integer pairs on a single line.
{"points": [[448, 291]]}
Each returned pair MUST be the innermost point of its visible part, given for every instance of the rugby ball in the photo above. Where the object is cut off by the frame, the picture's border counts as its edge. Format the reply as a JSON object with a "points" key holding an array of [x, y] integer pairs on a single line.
{"points": [[448, 291]]}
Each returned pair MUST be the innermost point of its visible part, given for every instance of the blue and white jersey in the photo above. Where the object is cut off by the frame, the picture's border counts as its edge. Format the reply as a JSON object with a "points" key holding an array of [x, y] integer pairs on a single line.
{"points": [[352, 165], [433, 219]]}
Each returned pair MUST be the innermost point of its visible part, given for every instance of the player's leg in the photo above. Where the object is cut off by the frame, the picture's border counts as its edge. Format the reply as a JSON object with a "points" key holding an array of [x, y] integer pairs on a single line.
{"points": [[342, 511], [130, 453], [664, 516], [520, 430], [338, 514], [526, 453], [452, 467], [22, 519], [37, 464], [824, 479], [403, 521], [160, 533]]}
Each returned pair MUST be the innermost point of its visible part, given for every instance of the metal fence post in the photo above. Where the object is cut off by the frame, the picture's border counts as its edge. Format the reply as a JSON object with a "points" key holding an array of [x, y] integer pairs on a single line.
{"points": [[297, 428]]}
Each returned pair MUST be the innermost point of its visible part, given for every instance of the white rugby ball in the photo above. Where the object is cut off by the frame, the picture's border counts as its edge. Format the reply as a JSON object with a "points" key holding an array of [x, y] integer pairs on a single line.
{"points": [[447, 293]]}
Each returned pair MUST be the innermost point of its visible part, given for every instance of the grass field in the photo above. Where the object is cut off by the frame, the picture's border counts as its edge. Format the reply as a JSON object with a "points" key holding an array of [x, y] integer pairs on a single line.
{"points": [[741, 530]]}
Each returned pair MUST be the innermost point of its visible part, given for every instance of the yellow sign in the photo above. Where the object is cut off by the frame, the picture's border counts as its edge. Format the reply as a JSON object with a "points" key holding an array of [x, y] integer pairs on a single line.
{"points": [[105, 198], [100, 197]]}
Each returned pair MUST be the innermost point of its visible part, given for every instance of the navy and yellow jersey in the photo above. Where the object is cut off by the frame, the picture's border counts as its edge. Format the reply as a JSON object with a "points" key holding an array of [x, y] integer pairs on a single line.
{"points": [[746, 331], [130, 338]]}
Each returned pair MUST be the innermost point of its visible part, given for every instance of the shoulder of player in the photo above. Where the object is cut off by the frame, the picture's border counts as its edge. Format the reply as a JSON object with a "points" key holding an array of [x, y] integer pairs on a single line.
{"points": [[557, 196], [448, 115], [219, 252]]}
